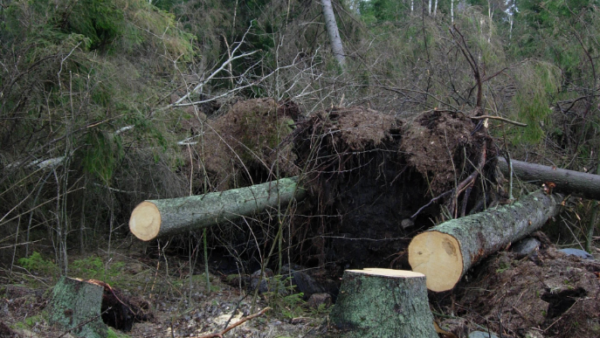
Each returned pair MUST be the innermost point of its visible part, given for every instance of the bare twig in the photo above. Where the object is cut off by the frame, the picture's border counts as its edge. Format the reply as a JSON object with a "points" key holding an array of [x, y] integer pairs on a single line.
{"points": [[238, 323], [229, 60], [499, 118], [464, 48]]}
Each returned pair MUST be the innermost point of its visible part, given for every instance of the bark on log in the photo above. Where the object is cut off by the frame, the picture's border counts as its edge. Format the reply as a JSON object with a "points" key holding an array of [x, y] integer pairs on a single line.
{"points": [[75, 306], [151, 219], [445, 252], [383, 303], [567, 181]]}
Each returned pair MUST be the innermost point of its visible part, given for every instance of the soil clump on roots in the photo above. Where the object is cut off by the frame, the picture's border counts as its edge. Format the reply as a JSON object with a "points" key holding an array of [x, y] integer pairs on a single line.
{"points": [[370, 174]]}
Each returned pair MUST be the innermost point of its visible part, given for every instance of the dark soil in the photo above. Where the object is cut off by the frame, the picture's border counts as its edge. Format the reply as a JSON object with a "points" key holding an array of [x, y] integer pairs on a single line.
{"points": [[546, 293], [370, 174]]}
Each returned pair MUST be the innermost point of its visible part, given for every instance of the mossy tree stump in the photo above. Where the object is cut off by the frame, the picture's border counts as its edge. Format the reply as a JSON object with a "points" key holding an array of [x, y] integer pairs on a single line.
{"points": [[383, 303], [75, 306]]}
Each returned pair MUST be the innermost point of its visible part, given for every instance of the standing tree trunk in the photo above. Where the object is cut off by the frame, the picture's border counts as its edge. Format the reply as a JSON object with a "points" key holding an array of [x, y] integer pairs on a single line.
{"points": [[334, 34]]}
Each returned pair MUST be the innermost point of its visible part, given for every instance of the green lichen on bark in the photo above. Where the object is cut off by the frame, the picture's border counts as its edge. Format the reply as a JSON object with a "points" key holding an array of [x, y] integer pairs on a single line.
{"points": [[381, 306], [75, 306]]}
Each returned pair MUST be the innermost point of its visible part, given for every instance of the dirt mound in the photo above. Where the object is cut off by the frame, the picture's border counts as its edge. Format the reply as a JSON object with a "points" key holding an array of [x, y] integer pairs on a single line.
{"points": [[548, 292], [437, 144], [241, 147]]}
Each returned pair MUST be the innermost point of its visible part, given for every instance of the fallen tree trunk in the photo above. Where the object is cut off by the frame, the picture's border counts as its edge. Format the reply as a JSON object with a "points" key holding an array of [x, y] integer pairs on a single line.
{"points": [[566, 181], [383, 303], [155, 218], [445, 252]]}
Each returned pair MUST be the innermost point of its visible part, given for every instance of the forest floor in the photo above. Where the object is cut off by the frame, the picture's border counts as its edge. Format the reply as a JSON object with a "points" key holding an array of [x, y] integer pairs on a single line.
{"points": [[180, 306], [547, 294]]}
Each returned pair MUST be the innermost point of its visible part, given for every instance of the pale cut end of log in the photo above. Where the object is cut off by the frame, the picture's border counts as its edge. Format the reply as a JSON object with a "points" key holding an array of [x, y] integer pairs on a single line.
{"points": [[438, 256], [145, 221]]}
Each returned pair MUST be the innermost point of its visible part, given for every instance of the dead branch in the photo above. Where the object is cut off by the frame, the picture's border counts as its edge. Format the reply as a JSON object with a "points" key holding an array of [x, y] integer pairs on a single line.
{"points": [[462, 44], [238, 323], [499, 118]]}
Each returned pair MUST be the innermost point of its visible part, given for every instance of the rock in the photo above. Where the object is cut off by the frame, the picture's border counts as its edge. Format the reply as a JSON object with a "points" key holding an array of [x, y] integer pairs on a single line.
{"points": [[300, 320], [576, 253], [481, 334], [526, 246], [304, 282], [316, 299], [407, 223], [268, 283]]}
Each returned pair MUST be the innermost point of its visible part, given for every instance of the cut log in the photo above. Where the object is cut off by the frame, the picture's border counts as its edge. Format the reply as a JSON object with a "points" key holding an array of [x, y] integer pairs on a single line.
{"points": [[445, 252], [566, 181], [75, 306], [151, 219], [383, 303]]}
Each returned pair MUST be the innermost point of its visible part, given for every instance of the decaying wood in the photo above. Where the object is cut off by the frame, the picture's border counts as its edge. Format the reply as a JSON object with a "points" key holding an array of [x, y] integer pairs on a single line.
{"points": [[566, 181], [445, 252], [383, 303], [155, 218]]}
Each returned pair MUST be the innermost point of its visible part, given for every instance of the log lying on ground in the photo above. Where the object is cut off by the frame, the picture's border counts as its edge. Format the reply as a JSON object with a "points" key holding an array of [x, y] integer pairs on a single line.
{"points": [[151, 219], [566, 181], [383, 303], [445, 252]]}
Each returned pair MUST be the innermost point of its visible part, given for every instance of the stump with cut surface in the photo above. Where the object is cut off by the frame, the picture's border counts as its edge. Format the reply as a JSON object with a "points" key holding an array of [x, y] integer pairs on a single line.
{"points": [[75, 306], [445, 252], [383, 303]]}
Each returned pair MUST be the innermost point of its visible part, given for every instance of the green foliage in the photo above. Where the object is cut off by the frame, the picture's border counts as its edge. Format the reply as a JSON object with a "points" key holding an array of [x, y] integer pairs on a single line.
{"points": [[30, 322], [378, 11], [538, 82], [103, 152], [115, 334], [36, 263], [93, 267], [101, 21], [284, 299]]}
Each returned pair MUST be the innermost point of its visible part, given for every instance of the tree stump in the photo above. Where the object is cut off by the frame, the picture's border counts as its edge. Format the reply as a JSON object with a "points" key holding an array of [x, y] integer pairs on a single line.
{"points": [[382, 303], [75, 306]]}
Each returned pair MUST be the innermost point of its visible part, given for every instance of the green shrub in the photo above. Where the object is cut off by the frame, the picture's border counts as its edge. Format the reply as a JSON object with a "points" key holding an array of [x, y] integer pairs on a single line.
{"points": [[35, 263]]}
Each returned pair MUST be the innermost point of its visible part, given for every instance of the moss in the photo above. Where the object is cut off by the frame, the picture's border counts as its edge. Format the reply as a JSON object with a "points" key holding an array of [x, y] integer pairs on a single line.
{"points": [[114, 334]]}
